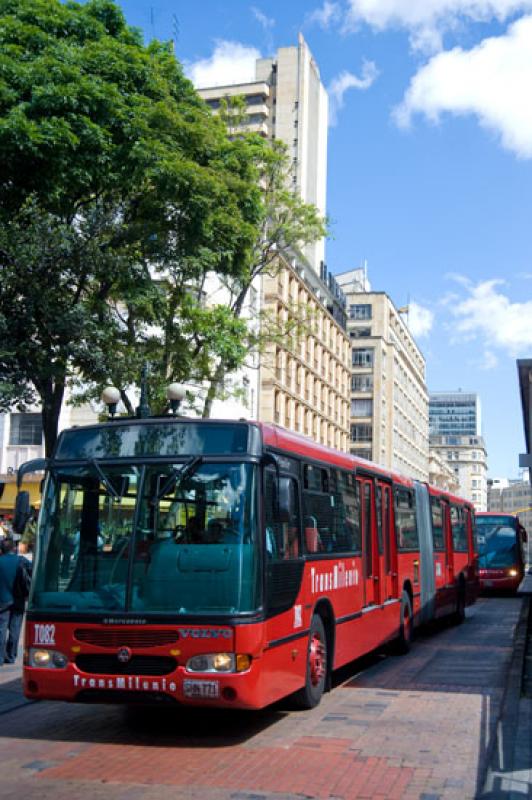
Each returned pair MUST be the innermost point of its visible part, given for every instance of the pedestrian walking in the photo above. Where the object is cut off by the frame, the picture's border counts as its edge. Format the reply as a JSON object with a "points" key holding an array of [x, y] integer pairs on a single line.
{"points": [[15, 580]]}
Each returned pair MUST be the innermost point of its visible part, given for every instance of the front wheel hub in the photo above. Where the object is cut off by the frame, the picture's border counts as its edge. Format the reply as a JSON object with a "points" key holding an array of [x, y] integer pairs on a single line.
{"points": [[317, 660]]}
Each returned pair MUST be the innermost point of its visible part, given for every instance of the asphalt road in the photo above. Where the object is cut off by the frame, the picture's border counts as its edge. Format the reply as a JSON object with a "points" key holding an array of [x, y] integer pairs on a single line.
{"points": [[417, 727]]}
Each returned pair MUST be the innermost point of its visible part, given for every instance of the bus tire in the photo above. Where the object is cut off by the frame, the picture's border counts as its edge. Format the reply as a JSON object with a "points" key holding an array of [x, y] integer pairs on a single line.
{"points": [[317, 664], [406, 627]]}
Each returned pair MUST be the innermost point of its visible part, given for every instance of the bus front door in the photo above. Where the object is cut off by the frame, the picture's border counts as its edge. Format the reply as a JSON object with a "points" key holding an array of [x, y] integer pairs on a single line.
{"points": [[449, 590], [370, 553], [386, 541]]}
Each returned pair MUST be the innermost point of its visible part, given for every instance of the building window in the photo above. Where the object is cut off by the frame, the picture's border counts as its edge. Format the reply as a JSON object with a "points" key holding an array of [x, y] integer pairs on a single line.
{"points": [[360, 311], [361, 383], [361, 408], [360, 333], [25, 429], [363, 453], [362, 357], [361, 433]]}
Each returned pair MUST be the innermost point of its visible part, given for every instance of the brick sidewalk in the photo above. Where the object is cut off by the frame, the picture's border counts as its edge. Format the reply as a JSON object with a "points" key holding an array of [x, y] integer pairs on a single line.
{"points": [[510, 774], [413, 728]]}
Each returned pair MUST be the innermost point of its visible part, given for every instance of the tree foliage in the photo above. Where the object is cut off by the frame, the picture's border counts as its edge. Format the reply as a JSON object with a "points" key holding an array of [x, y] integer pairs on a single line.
{"points": [[111, 162]]}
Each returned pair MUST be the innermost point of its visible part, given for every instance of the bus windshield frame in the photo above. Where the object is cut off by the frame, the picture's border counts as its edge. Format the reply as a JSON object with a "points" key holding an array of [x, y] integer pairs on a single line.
{"points": [[499, 542], [144, 537]]}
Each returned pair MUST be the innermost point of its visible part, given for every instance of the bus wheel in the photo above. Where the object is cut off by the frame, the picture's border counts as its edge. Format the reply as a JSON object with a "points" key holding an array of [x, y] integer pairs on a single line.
{"points": [[406, 628], [310, 695]]}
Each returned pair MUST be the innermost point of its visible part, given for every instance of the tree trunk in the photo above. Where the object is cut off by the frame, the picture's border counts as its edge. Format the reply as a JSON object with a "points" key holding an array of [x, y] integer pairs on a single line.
{"points": [[214, 385], [127, 403], [52, 400]]}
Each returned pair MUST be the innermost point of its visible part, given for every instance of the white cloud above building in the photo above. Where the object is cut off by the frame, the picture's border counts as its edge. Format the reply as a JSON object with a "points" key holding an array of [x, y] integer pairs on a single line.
{"points": [[491, 81], [487, 314], [326, 15], [428, 20], [230, 63], [347, 80], [420, 320]]}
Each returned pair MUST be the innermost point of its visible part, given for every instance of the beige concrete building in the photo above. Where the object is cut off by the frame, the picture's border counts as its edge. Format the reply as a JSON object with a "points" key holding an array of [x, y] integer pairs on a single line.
{"points": [[441, 473], [467, 457], [389, 400], [287, 101], [512, 497], [304, 379]]}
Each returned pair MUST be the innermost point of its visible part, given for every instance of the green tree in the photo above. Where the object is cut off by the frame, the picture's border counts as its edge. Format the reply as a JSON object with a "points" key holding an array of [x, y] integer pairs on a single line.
{"points": [[202, 342], [109, 162]]}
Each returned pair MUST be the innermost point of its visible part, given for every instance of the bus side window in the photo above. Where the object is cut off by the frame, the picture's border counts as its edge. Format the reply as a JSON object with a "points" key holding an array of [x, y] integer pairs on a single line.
{"points": [[317, 510], [405, 520], [345, 513], [458, 529], [438, 533], [368, 539], [282, 535]]}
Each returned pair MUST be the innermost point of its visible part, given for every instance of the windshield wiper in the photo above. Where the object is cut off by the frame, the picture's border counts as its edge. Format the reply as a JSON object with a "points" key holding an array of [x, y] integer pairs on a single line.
{"points": [[177, 478]]}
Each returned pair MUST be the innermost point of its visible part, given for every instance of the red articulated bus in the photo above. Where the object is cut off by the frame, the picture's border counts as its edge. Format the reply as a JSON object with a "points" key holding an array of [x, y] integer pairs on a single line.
{"points": [[501, 561], [228, 563]]}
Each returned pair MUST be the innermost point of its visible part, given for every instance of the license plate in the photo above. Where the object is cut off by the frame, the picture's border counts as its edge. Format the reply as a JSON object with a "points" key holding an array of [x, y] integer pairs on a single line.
{"points": [[487, 583], [201, 688]]}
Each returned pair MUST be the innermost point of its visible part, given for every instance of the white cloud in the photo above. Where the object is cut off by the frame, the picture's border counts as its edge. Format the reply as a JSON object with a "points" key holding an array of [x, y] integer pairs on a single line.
{"points": [[489, 360], [346, 80], [230, 63], [427, 20], [491, 81], [489, 315], [420, 320], [327, 15], [266, 22]]}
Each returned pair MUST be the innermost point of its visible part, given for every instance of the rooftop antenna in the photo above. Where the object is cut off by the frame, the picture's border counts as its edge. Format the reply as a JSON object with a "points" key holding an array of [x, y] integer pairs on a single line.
{"points": [[152, 22], [175, 29]]}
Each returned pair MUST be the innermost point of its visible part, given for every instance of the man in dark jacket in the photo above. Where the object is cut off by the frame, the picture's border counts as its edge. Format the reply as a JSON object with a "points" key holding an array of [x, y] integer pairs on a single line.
{"points": [[12, 599]]}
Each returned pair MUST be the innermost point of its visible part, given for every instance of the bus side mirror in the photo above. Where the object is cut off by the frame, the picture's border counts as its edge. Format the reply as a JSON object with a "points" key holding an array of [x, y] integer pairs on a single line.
{"points": [[22, 512], [523, 533], [36, 465]]}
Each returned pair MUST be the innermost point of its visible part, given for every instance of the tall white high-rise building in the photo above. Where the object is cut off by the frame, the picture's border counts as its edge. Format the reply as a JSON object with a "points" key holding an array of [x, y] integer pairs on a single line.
{"points": [[287, 101]]}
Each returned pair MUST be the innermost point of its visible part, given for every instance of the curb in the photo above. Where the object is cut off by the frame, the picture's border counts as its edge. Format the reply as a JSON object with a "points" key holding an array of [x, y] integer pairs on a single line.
{"points": [[501, 747]]}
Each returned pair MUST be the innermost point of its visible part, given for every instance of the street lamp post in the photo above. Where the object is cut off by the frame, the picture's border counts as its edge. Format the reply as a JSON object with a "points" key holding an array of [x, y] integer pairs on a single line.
{"points": [[175, 393]]}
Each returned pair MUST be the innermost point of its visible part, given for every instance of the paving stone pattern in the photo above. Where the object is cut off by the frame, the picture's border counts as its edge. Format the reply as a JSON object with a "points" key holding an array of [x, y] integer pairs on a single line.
{"points": [[412, 728]]}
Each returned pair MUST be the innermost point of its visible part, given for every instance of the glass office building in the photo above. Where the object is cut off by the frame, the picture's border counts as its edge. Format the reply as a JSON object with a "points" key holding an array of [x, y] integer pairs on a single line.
{"points": [[454, 414]]}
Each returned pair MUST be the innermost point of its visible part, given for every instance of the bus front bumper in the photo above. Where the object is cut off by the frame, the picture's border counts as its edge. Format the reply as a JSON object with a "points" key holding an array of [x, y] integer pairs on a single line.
{"points": [[228, 690]]}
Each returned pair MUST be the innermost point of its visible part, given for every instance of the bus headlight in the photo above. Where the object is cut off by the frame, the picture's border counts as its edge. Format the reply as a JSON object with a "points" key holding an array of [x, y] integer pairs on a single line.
{"points": [[218, 662], [513, 573], [47, 659]]}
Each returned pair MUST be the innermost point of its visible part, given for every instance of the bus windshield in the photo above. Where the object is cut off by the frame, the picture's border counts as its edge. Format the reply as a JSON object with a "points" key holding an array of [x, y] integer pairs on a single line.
{"points": [[174, 538], [497, 542]]}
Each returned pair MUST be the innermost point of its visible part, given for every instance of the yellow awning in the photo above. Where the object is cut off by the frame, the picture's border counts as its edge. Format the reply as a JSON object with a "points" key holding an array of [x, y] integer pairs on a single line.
{"points": [[9, 495]]}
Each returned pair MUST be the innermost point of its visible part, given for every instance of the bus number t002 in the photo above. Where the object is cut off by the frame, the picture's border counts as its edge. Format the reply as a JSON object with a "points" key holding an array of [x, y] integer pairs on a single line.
{"points": [[44, 634]]}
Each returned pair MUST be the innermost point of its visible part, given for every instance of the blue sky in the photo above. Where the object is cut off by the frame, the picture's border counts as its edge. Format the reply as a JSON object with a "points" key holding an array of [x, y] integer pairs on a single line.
{"points": [[430, 165]]}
